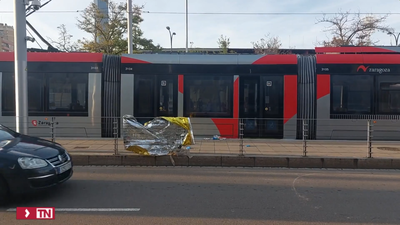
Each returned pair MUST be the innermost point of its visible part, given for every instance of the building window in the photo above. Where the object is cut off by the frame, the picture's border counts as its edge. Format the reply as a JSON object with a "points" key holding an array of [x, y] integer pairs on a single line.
{"points": [[351, 94], [208, 96], [389, 95]]}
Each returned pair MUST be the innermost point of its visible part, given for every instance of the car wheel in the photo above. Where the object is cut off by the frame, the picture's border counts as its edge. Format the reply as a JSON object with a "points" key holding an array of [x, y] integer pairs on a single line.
{"points": [[3, 191]]}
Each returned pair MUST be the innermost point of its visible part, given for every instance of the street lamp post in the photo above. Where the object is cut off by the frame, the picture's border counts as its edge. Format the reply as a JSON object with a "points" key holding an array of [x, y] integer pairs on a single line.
{"points": [[396, 37], [170, 35]]}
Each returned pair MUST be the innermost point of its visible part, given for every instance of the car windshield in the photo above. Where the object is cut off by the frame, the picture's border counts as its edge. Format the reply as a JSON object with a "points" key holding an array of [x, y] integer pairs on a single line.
{"points": [[6, 133]]}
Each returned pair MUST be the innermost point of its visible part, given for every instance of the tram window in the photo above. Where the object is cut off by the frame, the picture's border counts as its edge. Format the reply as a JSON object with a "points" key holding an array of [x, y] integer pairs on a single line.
{"points": [[145, 96], [389, 95], [67, 92], [35, 93], [8, 94], [208, 96], [166, 106], [36, 84], [351, 94]]}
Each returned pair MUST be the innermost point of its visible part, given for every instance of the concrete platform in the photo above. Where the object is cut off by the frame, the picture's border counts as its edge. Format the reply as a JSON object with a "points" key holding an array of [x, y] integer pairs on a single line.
{"points": [[202, 160]]}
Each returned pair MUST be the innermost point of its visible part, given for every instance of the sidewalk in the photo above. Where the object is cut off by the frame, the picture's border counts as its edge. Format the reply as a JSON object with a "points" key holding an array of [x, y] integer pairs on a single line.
{"points": [[253, 147]]}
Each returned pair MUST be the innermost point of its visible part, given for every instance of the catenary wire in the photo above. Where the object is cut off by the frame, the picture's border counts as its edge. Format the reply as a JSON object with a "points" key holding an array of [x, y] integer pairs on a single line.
{"points": [[230, 13]]}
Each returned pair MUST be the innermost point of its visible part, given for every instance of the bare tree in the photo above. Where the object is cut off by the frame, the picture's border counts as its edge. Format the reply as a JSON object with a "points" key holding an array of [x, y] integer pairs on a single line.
{"points": [[224, 43], [353, 29], [64, 42], [267, 45]]}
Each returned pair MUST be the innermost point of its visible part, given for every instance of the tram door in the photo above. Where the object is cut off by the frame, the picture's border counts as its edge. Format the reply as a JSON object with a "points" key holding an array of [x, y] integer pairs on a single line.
{"points": [[261, 106], [154, 96]]}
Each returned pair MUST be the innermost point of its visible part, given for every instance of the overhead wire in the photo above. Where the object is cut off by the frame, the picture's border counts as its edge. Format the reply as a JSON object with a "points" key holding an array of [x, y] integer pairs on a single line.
{"points": [[265, 13], [30, 11], [215, 13], [227, 13]]}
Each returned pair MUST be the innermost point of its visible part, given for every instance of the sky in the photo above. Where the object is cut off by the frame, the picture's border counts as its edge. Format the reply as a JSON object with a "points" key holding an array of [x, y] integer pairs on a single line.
{"points": [[294, 30]]}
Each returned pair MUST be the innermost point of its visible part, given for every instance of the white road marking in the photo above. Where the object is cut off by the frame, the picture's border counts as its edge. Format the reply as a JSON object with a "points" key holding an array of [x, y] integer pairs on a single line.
{"points": [[294, 185], [89, 210]]}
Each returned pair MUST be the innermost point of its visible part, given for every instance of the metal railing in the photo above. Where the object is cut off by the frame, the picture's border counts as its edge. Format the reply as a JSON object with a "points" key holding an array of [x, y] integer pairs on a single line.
{"points": [[305, 137], [241, 133]]}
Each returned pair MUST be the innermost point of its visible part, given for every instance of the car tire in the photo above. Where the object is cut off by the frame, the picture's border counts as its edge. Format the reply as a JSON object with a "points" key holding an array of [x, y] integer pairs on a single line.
{"points": [[3, 191]]}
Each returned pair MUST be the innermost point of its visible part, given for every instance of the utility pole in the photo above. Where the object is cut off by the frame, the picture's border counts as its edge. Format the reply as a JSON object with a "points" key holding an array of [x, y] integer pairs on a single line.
{"points": [[20, 65], [130, 35], [187, 24]]}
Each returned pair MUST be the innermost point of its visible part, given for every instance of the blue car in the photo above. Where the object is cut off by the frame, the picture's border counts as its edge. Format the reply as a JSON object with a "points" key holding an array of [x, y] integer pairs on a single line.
{"points": [[29, 163]]}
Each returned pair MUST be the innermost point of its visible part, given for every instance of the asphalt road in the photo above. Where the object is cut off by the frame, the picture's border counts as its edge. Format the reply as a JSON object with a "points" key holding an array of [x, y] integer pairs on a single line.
{"points": [[231, 196]]}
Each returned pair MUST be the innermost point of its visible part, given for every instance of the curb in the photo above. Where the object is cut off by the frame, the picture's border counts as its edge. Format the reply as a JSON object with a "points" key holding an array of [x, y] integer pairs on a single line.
{"points": [[236, 161]]}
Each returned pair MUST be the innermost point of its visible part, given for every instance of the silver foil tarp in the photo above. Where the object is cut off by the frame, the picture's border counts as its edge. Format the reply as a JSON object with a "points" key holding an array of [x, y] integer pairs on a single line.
{"points": [[160, 136]]}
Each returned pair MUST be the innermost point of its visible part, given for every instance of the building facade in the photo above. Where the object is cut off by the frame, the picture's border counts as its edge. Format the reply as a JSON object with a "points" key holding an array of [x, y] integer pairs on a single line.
{"points": [[6, 38], [103, 7]]}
